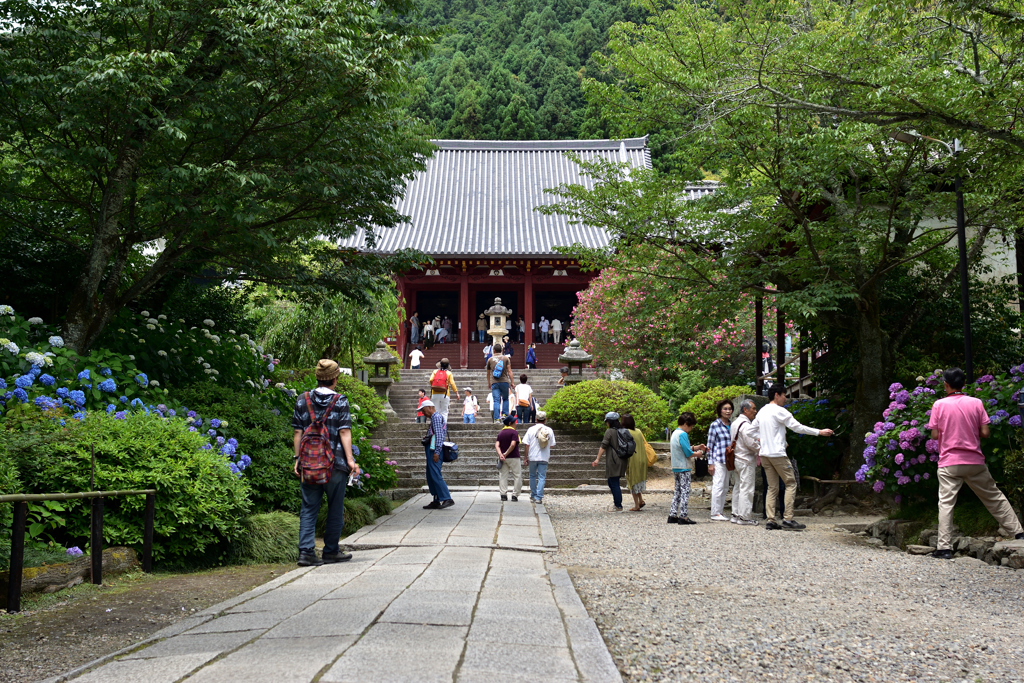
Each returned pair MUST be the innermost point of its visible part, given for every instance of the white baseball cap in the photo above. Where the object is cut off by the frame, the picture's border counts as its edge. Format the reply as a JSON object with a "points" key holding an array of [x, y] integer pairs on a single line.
{"points": [[427, 404]]}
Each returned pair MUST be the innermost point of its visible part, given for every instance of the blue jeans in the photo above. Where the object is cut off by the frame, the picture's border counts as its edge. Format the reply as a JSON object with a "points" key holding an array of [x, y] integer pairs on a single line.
{"points": [[538, 473], [613, 484], [312, 497], [469, 419], [499, 392], [435, 482]]}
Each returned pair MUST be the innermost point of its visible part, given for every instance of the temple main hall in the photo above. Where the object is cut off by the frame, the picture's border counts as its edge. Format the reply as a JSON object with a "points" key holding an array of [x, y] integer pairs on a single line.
{"points": [[472, 210]]}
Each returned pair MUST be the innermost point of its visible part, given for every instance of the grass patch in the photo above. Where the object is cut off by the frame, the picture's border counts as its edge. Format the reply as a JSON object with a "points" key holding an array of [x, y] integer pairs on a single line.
{"points": [[358, 513], [268, 538], [38, 556]]}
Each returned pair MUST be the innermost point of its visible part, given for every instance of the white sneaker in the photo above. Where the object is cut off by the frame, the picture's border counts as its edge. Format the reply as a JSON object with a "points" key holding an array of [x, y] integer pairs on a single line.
{"points": [[734, 519], [719, 518]]}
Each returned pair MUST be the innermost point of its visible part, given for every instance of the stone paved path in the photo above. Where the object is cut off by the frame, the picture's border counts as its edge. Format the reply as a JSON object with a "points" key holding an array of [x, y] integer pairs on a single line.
{"points": [[462, 595]]}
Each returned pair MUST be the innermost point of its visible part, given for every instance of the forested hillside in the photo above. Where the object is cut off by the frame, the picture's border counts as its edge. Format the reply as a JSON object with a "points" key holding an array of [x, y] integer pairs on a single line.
{"points": [[511, 69]]}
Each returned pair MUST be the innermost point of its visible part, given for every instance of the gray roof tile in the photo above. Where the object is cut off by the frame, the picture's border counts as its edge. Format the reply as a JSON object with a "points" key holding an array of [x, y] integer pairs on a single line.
{"points": [[478, 197]]}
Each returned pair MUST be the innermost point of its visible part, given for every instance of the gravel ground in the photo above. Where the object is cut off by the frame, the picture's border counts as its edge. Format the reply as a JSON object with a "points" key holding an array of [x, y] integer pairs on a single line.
{"points": [[721, 602]]}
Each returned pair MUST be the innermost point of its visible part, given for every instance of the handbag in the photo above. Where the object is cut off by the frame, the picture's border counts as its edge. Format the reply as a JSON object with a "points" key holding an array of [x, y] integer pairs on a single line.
{"points": [[449, 451], [652, 456], [730, 452]]}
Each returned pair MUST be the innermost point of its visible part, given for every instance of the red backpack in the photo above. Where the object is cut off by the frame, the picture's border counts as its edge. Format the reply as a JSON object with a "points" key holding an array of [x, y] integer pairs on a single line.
{"points": [[316, 458], [440, 380]]}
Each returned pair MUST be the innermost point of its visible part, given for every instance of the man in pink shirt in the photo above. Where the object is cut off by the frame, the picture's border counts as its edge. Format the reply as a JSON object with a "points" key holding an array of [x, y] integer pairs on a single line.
{"points": [[959, 423]]}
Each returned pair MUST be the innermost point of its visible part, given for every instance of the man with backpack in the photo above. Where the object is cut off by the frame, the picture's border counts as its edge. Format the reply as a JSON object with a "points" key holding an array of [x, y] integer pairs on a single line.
{"points": [[537, 445], [499, 374], [323, 461], [442, 388]]}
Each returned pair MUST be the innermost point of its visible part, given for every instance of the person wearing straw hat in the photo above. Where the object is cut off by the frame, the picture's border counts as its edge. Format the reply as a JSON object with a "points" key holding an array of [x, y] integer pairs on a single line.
{"points": [[325, 403], [435, 481]]}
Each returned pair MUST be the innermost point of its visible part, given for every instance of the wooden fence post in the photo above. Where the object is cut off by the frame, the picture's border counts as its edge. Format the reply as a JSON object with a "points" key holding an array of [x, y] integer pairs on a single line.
{"points": [[96, 543], [147, 538], [17, 557]]}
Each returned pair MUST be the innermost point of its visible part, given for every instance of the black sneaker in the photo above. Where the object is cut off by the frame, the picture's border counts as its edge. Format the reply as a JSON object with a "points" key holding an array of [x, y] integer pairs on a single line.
{"points": [[1020, 536], [944, 554], [433, 505], [790, 524], [673, 520], [309, 559], [772, 525], [515, 499], [686, 520], [446, 504], [337, 556], [504, 497]]}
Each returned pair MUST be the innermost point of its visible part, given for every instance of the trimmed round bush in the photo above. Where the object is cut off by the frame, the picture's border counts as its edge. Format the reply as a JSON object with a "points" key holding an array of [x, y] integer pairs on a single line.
{"points": [[585, 405], [703, 408], [200, 503]]}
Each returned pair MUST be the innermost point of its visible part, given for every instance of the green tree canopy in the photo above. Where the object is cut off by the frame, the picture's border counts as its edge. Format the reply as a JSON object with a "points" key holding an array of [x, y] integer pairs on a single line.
{"points": [[174, 135]]}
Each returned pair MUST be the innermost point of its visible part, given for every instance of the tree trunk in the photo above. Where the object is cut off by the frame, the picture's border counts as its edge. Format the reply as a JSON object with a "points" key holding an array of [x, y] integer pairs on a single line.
{"points": [[875, 370], [1018, 247]]}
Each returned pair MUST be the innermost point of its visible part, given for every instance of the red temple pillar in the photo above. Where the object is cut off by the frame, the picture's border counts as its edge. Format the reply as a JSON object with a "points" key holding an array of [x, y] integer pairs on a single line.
{"points": [[528, 307], [465, 321]]}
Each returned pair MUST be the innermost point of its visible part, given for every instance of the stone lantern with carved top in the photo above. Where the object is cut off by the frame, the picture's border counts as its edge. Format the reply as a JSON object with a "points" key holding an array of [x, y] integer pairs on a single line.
{"points": [[575, 357], [496, 317], [381, 359]]}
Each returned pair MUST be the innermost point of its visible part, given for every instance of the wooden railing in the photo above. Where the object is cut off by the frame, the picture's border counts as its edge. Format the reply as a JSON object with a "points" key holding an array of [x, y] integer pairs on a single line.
{"points": [[798, 388], [21, 501]]}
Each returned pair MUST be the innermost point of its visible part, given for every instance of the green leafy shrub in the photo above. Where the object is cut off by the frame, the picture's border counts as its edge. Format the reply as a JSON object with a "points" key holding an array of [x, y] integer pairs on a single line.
{"points": [[703, 408], [1013, 474], [9, 483], [379, 504], [818, 457], [678, 392], [200, 502], [291, 383], [358, 513], [266, 436], [585, 405], [267, 538]]}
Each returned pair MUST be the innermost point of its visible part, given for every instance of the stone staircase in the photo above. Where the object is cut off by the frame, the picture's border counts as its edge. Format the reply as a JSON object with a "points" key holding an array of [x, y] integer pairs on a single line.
{"points": [[547, 355], [570, 458]]}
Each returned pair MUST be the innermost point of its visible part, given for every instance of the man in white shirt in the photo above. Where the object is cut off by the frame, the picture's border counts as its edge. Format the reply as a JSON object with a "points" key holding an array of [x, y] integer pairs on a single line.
{"points": [[544, 326], [523, 393], [771, 423], [537, 445], [470, 407], [416, 355], [556, 330]]}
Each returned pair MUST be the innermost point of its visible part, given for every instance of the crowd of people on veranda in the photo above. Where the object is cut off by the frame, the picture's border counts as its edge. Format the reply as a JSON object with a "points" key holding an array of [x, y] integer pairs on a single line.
{"points": [[755, 438]]}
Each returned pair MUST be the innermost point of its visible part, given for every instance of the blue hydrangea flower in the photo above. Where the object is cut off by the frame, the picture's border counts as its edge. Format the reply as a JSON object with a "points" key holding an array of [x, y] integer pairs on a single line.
{"points": [[56, 341], [20, 394], [246, 461], [3, 384], [106, 372], [46, 380], [84, 375], [120, 415], [198, 422], [108, 385], [80, 415], [227, 449], [172, 412], [191, 413], [234, 468], [34, 371], [233, 441], [78, 397], [123, 399], [136, 403], [206, 446], [215, 423], [63, 392], [212, 432], [45, 402], [111, 408], [161, 407], [141, 379], [220, 439], [192, 429], [24, 382]]}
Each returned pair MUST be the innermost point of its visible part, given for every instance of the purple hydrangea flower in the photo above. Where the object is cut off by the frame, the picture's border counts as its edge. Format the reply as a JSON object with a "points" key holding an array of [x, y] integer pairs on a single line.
{"points": [[1014, 421], [926, 476], [878, 486], [215, 423], [898, 460], [75, 551], [120, 415]]}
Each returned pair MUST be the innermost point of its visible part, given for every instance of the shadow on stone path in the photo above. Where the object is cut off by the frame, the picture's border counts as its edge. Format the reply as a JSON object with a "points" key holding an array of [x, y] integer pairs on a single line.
{"points": [[463, 594]]}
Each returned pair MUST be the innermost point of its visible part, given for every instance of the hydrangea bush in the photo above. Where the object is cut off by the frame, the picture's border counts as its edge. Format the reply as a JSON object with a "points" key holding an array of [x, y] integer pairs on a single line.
{"points": [[818, 457], [177, 354], [899, 454]]}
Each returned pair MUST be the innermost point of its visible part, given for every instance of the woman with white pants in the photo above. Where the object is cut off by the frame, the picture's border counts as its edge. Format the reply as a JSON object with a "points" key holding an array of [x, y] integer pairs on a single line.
{"points": [[745, 434], [718, 442]]}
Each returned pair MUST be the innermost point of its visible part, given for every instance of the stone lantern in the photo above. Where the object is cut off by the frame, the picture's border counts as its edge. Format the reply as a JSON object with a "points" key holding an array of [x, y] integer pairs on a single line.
{"points": [[575, 357], [496, 316], [380, 359]]}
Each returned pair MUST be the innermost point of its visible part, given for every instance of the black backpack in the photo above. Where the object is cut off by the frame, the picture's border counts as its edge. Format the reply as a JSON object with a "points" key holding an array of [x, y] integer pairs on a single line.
{"points": [[627, 446]]}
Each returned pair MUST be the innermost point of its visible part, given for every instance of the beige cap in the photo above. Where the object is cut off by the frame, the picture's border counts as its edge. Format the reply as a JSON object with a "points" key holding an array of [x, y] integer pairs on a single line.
{"points": [[327, 369]]}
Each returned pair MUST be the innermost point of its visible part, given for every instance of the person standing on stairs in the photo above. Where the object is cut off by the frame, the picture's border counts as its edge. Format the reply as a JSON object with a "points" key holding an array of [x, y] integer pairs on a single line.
{"points": [[531, 357], [414, 329], [524, 392], [481, 328], [442, 388], [415, 356], [433, 445], [470, 407], [556, 330], [422, 396], [507, 446], [499, 375]]}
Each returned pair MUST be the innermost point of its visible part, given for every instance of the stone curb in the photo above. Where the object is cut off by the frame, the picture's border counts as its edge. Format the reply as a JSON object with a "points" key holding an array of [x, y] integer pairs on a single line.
{"points": [[186, 624], [593, 660]]}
